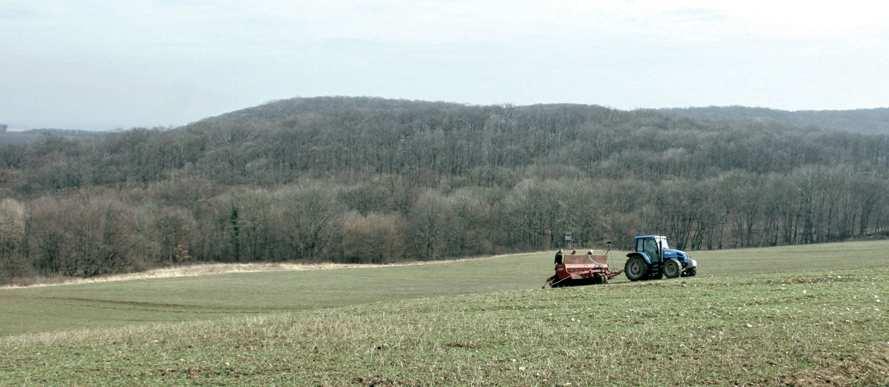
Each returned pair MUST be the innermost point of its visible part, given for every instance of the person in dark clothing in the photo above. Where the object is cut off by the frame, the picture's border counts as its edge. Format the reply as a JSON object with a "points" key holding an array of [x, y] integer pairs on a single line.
{"points": [[557, 261]]}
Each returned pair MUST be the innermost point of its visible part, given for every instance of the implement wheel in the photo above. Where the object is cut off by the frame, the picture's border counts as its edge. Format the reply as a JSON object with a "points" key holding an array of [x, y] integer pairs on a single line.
{"points": [[635, 268], [599, 279]]}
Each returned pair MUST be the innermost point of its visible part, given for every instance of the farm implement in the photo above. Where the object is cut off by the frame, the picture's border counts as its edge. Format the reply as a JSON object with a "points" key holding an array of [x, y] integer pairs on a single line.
{"points": [[581, 269]]}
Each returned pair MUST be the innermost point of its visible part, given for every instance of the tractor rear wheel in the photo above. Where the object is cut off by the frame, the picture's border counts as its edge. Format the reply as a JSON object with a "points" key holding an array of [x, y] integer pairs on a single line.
{"points": [[635, 268], [672, 268]]}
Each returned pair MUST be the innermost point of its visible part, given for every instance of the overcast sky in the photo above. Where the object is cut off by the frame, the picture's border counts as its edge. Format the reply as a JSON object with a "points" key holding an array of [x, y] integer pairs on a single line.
{"points": [[118, 64]]}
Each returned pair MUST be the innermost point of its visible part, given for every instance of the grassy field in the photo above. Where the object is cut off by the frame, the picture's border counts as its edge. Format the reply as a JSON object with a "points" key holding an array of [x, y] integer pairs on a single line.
{"points": [[789, 315]]}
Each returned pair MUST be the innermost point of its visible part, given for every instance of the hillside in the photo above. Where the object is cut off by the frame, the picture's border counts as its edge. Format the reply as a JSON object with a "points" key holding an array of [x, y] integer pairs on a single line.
{"points": [[866, 121], [376, 180], [790, 315], [34, 135]]}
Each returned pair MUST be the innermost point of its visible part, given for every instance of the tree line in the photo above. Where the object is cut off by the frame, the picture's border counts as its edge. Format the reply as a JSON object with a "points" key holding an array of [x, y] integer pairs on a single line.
{"points": [[372, 180]]}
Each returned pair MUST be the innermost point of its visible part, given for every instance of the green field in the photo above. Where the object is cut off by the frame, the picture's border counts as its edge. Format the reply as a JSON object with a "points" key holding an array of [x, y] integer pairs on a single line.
{"points": [[797, 315]]}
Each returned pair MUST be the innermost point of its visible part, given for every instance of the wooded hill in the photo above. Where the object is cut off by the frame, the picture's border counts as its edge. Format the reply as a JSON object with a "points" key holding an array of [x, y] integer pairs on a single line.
{"points": [[30, 136], [867, 121], [373, 180]]}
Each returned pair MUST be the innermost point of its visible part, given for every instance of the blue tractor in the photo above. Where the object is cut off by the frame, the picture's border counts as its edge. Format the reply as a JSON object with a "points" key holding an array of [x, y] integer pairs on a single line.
{"points": [[652, 258]]}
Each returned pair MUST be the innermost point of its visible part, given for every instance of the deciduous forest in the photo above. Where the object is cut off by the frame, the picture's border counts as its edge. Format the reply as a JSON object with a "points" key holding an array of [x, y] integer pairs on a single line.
{"points": [[376, 180]]}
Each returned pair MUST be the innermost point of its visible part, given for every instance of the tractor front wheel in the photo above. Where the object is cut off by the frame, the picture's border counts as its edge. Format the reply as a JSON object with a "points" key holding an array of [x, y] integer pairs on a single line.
{"points": [[635, 268], [672, 268]]}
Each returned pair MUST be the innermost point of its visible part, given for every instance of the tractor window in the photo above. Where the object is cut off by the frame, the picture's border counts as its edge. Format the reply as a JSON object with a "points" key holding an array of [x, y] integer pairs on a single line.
{"points": [[664, 244], [649, 246]]}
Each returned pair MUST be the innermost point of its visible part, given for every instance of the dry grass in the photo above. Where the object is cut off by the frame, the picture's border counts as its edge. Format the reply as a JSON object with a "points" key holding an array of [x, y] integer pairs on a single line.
{"points": [[204, 269], [193, 270]]}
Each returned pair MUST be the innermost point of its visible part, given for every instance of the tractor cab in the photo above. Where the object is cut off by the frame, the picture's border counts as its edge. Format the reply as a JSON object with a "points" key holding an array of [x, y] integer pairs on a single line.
{"points": [[653, 258], [652, 245]]}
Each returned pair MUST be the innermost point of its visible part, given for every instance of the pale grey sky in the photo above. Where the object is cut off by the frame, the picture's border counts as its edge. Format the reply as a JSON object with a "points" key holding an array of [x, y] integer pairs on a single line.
{"points": [[116, 64]]}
